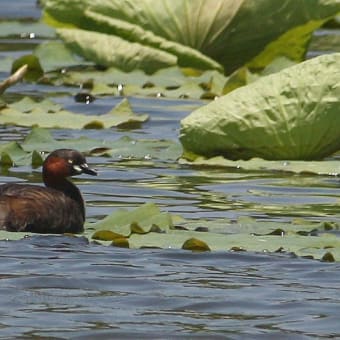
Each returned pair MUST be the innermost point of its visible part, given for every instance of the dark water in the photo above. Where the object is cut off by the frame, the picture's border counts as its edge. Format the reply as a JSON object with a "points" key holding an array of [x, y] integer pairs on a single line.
{"points": [[63, 287]]}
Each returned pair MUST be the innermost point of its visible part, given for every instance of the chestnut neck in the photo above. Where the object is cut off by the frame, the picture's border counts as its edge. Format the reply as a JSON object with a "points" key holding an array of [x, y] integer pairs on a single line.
{"points": [[67, 187]]}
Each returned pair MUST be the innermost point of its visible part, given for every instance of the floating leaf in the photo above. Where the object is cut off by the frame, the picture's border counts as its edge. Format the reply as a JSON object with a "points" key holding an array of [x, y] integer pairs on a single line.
{"points": [[325, 168], [126, 221], [50, 115], [245, 235], [54, 55], [13, 154], [40, 140]]}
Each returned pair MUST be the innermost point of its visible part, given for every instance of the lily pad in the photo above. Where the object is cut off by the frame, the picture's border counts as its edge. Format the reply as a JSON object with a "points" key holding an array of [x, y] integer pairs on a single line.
{"points": [[50, 115], [54, 55], [13, 154], [141, 220], [325, 168], [40, 140], [172, 82], [292, 114], [138, 227]]}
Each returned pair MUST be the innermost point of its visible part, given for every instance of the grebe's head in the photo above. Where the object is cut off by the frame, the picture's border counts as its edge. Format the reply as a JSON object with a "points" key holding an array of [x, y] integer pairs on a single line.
{"points": [[64, 163]]}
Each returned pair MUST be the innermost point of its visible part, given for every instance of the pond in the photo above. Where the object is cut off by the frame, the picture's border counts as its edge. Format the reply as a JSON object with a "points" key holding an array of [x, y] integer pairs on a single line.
{"points": [[64, 287]]}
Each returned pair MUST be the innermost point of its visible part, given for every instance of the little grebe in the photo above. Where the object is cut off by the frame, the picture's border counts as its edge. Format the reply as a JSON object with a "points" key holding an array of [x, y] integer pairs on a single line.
{"points": [[56, 208]]}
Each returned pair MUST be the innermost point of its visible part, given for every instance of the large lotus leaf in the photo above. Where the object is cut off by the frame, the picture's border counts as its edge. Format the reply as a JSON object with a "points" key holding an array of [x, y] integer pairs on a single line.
{"points": [[292, 114], [232, 32], [50, 115], [186, 55], [109, 50]]}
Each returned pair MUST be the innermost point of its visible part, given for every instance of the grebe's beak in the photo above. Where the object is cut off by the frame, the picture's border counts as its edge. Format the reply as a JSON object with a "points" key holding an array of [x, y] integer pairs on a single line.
{"points": [[84, 169]]}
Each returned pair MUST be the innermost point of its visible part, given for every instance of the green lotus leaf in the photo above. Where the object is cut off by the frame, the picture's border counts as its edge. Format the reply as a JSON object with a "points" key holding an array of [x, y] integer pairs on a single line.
{"points": [[170, 82], [40, 140], [186, 56], [12, 154], [125, 222], [50, 115], [128, 148], [231, 32], [54, 55], [301, 237], [324, 168], [109, 50], [289, 115], [315, 246]]}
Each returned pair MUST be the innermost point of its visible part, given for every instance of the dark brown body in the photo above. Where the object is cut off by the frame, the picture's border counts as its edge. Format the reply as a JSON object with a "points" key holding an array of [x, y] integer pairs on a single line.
{"points": [[57, 208], [37, 209]]}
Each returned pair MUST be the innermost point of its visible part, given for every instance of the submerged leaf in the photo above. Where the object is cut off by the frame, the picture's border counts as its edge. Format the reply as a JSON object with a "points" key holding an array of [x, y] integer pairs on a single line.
{"points": [[34, 70], [195, 244], [121, 242], [328, 257], [106, 235]]}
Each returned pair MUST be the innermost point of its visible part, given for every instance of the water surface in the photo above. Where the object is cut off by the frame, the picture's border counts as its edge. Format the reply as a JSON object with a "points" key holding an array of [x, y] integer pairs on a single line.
{"points": [[63, 287]]}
